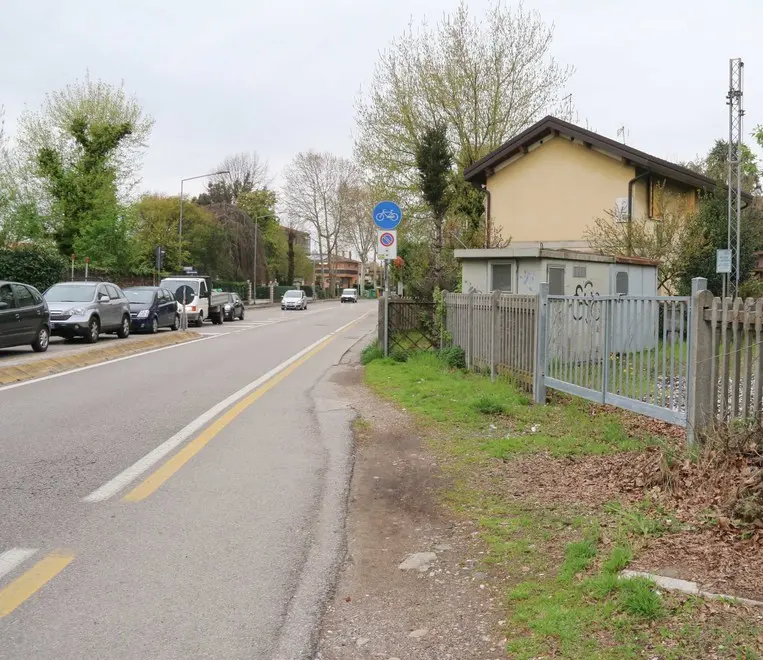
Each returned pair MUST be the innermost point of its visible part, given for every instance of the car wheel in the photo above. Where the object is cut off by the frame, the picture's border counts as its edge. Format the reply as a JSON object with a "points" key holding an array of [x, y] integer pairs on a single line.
{"points": [[124, 329], [241, 316], [154, 326], [93, 331], [176, 324], [200, 320], [40, 345]]}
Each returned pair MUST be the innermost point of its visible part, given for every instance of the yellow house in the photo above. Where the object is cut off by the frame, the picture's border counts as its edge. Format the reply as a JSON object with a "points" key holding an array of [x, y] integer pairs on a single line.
{"points": [[550, 182]]}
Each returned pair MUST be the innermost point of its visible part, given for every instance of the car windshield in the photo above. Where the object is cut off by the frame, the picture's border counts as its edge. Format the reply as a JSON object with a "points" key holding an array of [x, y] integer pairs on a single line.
{"points": [[348, 292], [292, 294], [70, 293], [143, 296]]}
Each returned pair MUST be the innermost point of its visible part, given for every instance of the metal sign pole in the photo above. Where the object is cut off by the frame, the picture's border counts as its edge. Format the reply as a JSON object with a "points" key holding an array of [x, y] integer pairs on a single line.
{"points": [[386, 307]]}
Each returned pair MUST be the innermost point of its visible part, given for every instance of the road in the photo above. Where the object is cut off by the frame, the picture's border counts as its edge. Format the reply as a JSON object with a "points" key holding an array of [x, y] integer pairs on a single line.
{"points": [[59, 346], [182, 504]]}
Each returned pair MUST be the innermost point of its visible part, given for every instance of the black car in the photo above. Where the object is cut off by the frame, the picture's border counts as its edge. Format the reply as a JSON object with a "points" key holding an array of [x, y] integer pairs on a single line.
{"points": [[151, 308], [234, 308], [24, 317]]}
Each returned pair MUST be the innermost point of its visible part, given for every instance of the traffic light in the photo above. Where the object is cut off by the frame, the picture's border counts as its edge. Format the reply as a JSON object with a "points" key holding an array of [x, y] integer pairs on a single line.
{"points": [[159, 254]]}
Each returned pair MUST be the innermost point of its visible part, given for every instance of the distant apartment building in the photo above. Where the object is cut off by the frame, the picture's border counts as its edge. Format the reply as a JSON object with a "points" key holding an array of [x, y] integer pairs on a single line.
{"points": [[343, 267]]}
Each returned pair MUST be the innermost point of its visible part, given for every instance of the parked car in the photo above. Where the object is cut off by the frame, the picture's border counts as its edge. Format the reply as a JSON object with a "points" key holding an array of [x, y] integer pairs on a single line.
{"points": [[234, 308], [24, 317], [151, 308], [295, 299], [349, 295], [88, 309]]}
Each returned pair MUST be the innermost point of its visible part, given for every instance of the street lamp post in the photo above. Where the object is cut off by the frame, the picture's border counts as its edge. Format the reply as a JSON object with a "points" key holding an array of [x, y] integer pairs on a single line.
{"points": [[184, 316]]}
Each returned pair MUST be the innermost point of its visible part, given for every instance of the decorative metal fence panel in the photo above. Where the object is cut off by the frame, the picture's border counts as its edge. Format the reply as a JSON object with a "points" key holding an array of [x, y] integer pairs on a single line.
{"points": [[498, 332], [412, 325], [631, 352]]}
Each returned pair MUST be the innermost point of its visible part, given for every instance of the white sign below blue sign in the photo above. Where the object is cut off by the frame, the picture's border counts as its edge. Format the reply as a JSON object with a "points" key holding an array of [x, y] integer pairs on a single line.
{"points": [[387, 215]]}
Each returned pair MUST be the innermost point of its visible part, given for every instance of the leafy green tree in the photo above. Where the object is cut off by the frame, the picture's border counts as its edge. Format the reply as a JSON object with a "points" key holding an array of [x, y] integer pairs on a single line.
{"points": [[434, 163], [84, 145], [716, 165], [156, 224], [109, 242], [706, 232]]}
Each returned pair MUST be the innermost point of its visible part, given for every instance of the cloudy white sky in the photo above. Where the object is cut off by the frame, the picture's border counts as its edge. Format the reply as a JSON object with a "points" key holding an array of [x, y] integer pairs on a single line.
{"points": [[278, 77]]}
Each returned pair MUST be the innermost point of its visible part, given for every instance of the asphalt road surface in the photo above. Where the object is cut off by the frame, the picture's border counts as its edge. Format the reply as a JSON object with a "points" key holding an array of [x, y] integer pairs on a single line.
{"points": [[182, 504]]}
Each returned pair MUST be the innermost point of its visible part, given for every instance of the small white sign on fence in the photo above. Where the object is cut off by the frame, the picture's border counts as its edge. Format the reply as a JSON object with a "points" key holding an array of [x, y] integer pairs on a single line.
{"points": [[723, 261]]}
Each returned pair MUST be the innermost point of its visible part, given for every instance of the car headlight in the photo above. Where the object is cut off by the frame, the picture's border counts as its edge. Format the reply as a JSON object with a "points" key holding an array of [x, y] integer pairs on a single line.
{"points": [[227, 308], [76, 311], [143, 313]]}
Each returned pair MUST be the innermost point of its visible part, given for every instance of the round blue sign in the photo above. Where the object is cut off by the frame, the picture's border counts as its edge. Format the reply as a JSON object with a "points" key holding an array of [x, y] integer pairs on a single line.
{"points": [[387, 215]]}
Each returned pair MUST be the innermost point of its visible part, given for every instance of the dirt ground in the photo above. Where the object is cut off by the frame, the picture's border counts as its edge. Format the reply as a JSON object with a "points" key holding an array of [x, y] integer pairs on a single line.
{"points": [[448, 611]]}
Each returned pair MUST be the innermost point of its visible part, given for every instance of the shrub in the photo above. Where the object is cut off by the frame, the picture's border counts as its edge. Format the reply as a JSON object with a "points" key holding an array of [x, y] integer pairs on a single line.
{"points": [[752, 288], [371, 352], [454, 357], [38, 265]]}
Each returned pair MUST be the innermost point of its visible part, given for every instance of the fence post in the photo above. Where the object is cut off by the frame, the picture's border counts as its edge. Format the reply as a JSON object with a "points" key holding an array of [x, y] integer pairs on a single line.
{"points": [[493, 330], [700, 404], [539, 372], [443, 316], [469, 328]]}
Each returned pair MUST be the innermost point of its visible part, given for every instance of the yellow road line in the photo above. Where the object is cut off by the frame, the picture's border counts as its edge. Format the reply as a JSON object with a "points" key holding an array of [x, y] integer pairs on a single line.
{"points": [[32, 581], [155, 480]]}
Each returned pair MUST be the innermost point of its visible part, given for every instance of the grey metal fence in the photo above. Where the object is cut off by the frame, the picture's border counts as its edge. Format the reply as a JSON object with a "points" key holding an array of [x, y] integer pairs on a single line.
{"points": [[631, 352], [497, 331]]}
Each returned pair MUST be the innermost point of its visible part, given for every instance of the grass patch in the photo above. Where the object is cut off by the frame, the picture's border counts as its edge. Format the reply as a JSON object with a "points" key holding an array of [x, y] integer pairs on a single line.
{"points": [[461, 402], [565, 599], [488, 405]]}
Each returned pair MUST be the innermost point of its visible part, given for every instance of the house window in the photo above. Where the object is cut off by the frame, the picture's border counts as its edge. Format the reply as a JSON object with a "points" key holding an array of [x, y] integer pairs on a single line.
{"points": [[556, 280], [621, 284], [579, 272], [500, 277]]}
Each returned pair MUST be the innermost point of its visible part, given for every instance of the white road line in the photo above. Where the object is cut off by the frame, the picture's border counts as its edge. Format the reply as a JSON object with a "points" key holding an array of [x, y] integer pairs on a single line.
{"points": [[111, 488], [12, 558], [24, 383]]}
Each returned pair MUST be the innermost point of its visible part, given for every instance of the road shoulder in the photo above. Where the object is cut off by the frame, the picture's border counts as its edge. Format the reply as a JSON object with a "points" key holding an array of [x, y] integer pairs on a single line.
{"points": [[449, 610]]}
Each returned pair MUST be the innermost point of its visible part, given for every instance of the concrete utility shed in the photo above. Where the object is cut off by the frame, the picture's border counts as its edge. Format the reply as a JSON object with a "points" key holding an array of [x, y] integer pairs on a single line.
{"points": [[568, 272]]}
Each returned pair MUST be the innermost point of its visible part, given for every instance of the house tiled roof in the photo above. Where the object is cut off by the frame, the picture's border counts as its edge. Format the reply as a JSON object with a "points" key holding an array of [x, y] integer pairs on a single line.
{"points": [[548, 126]]}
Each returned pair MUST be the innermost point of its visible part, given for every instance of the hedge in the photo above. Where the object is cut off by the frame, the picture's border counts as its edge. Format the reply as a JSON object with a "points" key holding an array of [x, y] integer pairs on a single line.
{"points": [[38, 265], [241, 288]]}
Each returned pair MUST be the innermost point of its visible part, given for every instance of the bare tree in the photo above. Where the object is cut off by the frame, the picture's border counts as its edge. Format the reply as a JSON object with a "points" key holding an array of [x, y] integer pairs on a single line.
{"points": [[312, 191], [244, 172], [486, 79], [359, 230], [664, 240]]}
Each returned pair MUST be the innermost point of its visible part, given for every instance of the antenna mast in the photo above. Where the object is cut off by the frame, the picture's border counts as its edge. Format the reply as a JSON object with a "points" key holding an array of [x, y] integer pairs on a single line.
{"points": [[736, 112]]}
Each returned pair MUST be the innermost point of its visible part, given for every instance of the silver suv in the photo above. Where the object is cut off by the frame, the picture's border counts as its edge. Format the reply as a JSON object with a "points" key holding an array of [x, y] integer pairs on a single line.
{"points": [[87, 309]]}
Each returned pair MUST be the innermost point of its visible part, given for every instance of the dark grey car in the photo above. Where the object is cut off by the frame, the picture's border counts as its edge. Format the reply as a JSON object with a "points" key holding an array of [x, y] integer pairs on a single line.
{"points": [[88, 309], [23, 317]]}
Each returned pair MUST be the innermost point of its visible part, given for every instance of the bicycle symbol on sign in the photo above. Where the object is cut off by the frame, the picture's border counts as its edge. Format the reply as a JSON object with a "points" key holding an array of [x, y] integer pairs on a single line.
{"points": [[387, 214]]}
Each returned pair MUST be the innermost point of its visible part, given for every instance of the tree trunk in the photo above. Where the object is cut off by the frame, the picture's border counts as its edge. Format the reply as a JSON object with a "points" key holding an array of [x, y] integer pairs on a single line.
{"points": [[290, 236]]}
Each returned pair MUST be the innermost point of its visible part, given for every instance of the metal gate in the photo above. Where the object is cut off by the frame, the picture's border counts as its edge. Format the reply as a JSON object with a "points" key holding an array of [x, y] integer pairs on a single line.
{"points": [[631, 352]]}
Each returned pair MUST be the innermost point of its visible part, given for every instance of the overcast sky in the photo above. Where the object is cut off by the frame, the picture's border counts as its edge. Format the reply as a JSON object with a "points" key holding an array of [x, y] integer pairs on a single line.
{"points": [[282, 76]]}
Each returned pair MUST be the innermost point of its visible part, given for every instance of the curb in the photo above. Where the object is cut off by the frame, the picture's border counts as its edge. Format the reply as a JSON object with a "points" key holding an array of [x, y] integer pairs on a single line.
{"points": [[54, 365]]}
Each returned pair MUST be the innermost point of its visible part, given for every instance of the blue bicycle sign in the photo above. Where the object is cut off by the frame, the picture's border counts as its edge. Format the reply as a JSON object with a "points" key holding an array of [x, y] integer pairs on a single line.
{"points": [[387, 215]]}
